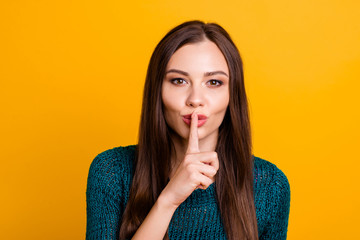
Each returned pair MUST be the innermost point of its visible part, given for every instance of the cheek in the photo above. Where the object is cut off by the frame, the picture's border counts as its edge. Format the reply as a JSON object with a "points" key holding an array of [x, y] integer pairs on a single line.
{"points": [[171, 107], [172, 100], [219, 102], [168, 103]]}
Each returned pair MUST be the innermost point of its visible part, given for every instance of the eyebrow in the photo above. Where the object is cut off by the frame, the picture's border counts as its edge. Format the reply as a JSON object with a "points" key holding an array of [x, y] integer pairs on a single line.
{"points": [[187, 74]]}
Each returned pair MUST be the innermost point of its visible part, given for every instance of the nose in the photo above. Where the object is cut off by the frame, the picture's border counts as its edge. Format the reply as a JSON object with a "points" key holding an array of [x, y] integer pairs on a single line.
{"points": [[195, 98]]}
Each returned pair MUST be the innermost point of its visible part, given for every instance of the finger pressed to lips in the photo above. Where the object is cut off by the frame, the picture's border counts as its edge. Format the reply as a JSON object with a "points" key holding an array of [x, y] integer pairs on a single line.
{"points": [[207, 163], [193, 144]]}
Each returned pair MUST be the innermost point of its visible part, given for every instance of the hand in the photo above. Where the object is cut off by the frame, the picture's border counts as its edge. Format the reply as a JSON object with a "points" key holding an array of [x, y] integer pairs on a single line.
{"points": [[197, 170]]}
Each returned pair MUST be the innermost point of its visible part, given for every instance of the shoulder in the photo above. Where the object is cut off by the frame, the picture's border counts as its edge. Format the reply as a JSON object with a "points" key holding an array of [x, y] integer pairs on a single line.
{"points": [[272, 199], [113, 165], [107, 191], [267, 173], [118, 157], [271, 185]]}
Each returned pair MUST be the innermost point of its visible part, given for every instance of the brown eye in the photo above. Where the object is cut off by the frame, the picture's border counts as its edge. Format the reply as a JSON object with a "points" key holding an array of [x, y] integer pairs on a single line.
{"points": [[178, 81], [214, 82]]}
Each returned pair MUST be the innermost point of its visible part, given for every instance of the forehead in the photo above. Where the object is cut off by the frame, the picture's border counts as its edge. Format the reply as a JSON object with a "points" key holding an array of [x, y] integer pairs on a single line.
{"points": [[204, 56]]}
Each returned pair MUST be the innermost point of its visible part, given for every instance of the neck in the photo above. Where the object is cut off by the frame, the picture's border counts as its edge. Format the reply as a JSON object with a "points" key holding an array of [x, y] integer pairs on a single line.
{"points": [[207, 144]]}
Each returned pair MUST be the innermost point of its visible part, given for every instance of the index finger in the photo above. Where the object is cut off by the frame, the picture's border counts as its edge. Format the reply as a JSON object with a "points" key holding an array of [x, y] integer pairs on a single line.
{"points": [[193, 144]]}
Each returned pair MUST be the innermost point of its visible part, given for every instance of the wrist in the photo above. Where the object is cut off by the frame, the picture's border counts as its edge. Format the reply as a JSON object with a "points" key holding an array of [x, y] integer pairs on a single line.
{"points": [[164, 202]]}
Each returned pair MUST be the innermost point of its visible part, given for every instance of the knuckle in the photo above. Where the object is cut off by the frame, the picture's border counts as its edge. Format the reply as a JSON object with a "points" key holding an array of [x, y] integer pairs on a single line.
{"points": [[206, 184], [217, 165], [193, 177], [212, 174]]}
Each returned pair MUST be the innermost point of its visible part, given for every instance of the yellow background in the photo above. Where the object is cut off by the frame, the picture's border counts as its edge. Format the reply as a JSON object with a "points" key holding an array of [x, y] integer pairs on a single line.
{"points": [[72, 74]]}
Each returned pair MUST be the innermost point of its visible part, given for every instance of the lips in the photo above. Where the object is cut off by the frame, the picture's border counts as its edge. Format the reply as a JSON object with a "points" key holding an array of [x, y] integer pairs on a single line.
{"points": [[201, 119]]}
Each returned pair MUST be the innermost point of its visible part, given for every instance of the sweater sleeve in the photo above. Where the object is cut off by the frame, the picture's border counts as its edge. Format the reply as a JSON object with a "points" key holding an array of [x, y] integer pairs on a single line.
{"points": [[279, 206], [106, 194]]}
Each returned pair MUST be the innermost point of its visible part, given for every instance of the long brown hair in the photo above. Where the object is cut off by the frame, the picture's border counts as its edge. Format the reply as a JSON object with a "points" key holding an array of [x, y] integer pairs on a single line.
{"points": [[152, 160]]}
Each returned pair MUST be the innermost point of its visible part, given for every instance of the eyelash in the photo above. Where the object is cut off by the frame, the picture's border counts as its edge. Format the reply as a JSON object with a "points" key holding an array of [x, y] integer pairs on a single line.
{"points": [[218, 82], [174, 80]]}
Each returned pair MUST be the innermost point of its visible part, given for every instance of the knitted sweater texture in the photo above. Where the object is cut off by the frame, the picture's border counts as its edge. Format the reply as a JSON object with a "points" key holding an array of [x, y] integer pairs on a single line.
{"points": [[198, 217]]}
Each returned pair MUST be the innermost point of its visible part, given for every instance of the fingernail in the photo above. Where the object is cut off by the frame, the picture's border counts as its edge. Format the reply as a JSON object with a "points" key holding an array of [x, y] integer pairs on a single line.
{"points": [[193, 114]]}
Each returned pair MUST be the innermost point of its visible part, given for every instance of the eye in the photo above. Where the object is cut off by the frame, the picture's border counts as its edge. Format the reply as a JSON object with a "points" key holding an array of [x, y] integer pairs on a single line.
{"points": [[214, 82], [178, 81]]}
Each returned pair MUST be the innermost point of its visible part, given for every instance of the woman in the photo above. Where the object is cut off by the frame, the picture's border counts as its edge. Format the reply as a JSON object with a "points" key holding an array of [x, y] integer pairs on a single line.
{"points": [[192, 174]]}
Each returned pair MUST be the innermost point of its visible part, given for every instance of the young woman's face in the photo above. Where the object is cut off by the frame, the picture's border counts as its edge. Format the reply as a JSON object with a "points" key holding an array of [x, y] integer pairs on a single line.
{"points": [[196, 79]]}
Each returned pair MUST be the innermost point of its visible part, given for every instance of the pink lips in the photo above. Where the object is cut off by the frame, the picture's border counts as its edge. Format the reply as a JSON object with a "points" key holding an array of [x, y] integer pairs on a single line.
{"points": [[201, 119]]}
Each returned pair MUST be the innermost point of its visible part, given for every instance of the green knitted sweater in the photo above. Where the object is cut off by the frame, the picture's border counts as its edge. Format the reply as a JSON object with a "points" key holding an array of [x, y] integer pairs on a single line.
{"points": [[198, 217]]}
